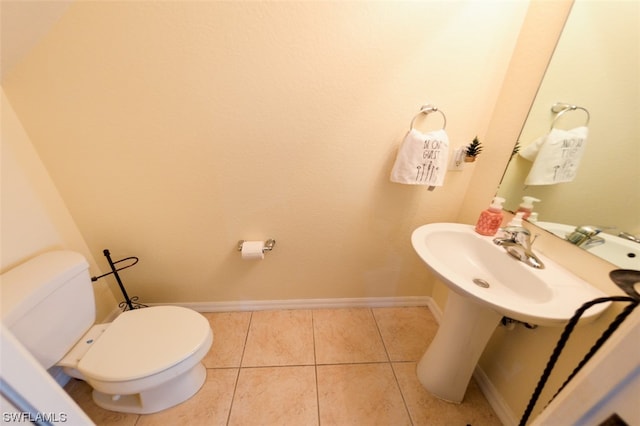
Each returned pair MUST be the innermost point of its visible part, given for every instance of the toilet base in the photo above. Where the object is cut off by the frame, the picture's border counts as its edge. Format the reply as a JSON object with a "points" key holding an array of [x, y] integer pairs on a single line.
{"points": [[169, 394]]}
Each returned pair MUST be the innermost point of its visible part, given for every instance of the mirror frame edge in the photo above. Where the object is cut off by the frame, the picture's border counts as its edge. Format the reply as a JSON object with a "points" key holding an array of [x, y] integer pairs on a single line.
{"points": [[532, 54]]}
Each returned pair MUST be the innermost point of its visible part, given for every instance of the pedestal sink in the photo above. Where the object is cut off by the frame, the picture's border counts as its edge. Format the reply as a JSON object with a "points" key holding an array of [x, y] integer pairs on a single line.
{"points": [[486, 285]]}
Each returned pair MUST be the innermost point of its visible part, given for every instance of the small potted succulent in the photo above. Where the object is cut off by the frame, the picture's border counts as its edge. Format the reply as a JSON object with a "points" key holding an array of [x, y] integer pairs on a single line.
{"points": [[472, 151], [516, 149]]}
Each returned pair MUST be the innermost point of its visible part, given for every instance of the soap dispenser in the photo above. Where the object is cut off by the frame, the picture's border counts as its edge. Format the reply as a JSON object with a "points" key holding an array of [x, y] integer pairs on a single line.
{"points": [[490, 219], [526, 206], [517, 219]]}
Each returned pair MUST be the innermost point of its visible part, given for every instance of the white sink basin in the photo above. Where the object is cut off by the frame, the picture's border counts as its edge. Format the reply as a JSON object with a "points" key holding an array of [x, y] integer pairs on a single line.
{"points": [[458, 255], [623, 253], [486, 285]]}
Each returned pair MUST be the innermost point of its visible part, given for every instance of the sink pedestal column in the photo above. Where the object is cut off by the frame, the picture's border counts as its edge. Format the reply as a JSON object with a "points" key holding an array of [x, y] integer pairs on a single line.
{"points": [[446, 367]]}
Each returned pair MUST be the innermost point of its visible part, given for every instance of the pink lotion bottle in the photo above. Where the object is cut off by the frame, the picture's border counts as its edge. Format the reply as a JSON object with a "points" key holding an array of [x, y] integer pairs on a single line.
{"points": [[490, 220]]}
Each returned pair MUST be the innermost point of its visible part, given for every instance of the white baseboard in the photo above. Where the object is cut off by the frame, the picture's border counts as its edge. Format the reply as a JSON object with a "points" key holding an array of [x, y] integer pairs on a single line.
{"points": [[495, 399], [262, 305], [435, 310]]}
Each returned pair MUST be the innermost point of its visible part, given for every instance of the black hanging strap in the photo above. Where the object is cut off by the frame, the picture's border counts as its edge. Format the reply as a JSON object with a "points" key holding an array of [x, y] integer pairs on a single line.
{"points": [[633, 303]]}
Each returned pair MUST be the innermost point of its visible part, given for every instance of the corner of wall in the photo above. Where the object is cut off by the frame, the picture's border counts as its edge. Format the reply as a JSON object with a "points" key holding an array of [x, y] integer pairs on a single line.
{"points": [[34, 217]]}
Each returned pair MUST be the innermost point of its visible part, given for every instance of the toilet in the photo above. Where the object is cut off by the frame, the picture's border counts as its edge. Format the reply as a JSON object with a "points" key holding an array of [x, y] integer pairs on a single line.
{"points": [[145, 361]]}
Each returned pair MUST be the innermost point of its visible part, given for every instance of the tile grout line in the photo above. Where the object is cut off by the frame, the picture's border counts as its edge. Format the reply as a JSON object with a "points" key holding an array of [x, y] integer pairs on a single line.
{"points": [[393, 371], [235, 386], [384, 345], [257, 367], [315, 365]]}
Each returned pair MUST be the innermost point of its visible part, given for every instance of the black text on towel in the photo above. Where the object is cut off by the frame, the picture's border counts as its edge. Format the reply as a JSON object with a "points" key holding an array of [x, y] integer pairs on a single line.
{"points": [[422, 159], [556, 156]]}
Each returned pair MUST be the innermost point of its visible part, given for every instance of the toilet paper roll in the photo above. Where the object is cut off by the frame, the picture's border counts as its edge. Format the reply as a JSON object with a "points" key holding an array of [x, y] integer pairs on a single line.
{"points": [[253, 250]]}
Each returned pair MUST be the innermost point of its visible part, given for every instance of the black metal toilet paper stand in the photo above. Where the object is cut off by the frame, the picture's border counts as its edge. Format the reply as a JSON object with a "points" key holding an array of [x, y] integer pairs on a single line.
{"points": [[129, 303]]}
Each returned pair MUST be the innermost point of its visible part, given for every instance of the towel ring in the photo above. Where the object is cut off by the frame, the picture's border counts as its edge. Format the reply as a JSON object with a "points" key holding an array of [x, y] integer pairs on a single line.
{"points": [[561, 108], [428, 109]]}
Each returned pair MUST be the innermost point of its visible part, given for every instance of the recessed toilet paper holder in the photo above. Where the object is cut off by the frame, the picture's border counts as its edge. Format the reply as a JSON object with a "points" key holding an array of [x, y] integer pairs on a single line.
{"points": [[268, 245]]}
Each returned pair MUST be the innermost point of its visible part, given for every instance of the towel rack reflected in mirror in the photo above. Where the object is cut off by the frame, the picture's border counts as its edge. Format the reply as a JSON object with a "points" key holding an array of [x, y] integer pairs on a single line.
{"points": [[560, 108], [428, 109]]}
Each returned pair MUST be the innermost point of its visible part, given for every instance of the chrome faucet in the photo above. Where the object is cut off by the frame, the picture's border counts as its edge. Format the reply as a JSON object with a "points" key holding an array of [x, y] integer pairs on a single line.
{"points": [[516, 240], [585, 236], [630, 237]]}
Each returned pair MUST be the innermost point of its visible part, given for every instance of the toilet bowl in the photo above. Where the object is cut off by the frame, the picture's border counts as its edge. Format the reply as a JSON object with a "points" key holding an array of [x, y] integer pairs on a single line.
{"points": [[145, 361]]}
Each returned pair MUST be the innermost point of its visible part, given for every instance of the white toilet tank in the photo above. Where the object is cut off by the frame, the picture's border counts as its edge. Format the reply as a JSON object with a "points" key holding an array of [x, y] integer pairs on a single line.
{"points": [[48, 303]]}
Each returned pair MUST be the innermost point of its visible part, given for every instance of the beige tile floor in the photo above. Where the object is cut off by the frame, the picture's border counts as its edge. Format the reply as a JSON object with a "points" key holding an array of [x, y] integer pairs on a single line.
{"points": [[312, 367]]}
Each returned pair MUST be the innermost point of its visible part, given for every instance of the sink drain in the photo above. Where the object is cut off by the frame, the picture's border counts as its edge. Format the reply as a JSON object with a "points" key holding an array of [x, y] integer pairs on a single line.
{"points": [[480, 282]]}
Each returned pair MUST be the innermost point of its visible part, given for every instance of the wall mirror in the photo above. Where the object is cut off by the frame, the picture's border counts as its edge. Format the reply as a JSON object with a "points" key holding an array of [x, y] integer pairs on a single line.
{"points": [[596, 65]]}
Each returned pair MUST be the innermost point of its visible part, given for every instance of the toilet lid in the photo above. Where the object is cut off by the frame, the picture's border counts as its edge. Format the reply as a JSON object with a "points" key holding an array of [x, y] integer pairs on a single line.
{"points": [[143, 342]]}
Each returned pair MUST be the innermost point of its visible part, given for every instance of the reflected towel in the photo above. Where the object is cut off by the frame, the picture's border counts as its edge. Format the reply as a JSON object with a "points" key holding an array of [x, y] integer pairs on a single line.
{"points": [[422, 159], [556, 156], [530, 152]]}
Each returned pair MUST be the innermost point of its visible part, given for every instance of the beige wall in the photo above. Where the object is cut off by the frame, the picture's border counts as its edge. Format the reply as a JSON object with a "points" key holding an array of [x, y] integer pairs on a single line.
{"points": [[34, 218], [175, 129]]}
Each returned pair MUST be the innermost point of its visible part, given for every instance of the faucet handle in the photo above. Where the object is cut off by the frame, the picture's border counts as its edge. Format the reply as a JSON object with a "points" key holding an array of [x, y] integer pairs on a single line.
{"points": [[533, 240], [524, 238], [589, 230], [513, 234], [582, 233], [630, 237], [517, 234], [514, 230]]}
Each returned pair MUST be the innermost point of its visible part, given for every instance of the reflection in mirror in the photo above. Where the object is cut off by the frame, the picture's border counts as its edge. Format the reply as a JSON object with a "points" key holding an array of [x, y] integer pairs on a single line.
{"points": [[596, 65]]}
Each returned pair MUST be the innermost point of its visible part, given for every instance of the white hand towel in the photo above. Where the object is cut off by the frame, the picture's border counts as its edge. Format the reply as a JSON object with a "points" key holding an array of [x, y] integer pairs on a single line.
{"points": [[530, 152], [556, 156], [422, 159]]}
